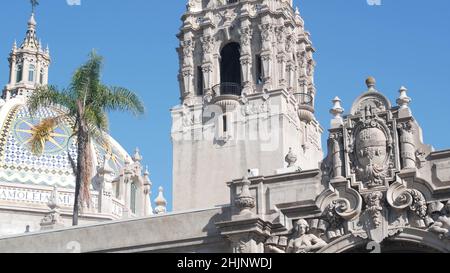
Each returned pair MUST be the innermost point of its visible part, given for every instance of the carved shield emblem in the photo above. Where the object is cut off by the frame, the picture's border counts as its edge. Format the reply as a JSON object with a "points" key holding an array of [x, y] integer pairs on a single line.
{"points": [[371, 147]]}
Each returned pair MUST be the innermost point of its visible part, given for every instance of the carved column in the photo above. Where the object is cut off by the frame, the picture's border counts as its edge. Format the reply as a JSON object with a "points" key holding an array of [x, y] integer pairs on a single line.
{"points": [[266, 54], [281, 55], [12, 77], [246, 56], [337, 152], [408, 146], [290, 67], [187, 71], [127, 185], [105, 179], [207, 66], [147, 187]]}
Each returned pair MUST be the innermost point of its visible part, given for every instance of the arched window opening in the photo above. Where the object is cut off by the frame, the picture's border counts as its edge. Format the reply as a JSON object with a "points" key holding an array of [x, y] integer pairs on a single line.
{"points": [[31, 73], [133, 198], [19, 72], [259, 70], [200, 81], [230, 70], [225, 124]]}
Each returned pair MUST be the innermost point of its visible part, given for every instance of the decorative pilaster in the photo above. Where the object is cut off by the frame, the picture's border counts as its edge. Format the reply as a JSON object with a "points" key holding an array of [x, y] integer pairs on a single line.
{"points": [[128, 172], [105, 174], [187, 69], [281, 55], [246, 56], [408, 146], [337, 152], [147, 191], [208, 44], [266, 54]]}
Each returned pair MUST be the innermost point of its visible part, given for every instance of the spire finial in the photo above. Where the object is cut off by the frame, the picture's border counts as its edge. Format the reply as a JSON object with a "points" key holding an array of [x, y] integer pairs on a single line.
{"points": [[137, 155], [371, 82]]}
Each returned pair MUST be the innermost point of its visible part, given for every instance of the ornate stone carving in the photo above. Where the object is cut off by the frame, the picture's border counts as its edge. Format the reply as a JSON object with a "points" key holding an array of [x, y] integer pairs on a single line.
{"points": [[335, 148], [53, 218], [245, 202], [442, 225], [374, 207], [291, 158], [332, 222], [400, 198], [266, 32], [302, 241], [188, 50], [408, 146], [246, 37], [372, 151], [207, 43]]}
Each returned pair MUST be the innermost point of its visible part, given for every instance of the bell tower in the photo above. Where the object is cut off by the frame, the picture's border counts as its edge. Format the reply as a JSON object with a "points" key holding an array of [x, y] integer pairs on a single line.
{"points": [[247, 98], [28, 64]]}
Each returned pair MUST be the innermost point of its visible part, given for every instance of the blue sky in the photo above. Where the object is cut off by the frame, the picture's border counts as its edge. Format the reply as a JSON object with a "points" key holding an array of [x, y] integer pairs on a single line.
{"points": [[401, 42]]}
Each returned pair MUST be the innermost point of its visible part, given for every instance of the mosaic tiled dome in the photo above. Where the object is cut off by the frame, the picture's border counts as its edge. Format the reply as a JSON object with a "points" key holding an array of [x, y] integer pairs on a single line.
{"points": [[19, 165]]}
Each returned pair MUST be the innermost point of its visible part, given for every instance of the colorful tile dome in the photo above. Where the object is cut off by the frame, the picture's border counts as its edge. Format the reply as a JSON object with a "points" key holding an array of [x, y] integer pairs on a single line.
{"points": [[52, 168]]}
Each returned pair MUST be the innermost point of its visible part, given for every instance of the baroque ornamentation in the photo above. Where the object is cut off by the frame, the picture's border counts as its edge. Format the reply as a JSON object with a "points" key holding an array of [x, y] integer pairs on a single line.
{"points": [[291, 158], [245, 202], [408, 146], [372, 151], [301, 241], [442, 225], [374, 207], [207, 43], [332, 222]]}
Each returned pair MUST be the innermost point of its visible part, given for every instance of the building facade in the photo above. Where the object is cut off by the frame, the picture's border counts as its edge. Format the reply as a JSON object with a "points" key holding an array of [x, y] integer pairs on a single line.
{"points": [[249, 171]]}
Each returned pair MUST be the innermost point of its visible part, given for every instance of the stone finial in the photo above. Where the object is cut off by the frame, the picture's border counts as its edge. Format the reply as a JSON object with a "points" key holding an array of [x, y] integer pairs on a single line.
{"points": [[297, 12], [245, 202], [147, 181], [161, 202], [52, 219], [53, 201], [291, 158], [337, 109], [32, 22], [403, 101], [47, 50], [14, 46], [337, 112], [137, 155], [371, 82]]}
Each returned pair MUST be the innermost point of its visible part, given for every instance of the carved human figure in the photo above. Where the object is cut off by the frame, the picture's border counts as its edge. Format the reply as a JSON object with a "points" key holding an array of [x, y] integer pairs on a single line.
{"points": [[442, 225], [302, 241]]}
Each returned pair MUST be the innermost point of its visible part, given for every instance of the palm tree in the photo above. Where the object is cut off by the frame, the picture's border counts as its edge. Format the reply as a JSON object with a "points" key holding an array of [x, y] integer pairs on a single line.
{"points": [[85, 104]]}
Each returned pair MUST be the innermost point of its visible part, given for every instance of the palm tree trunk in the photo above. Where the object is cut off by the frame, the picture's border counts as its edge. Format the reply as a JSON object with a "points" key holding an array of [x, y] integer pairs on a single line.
{"points": [[82, 138]]}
